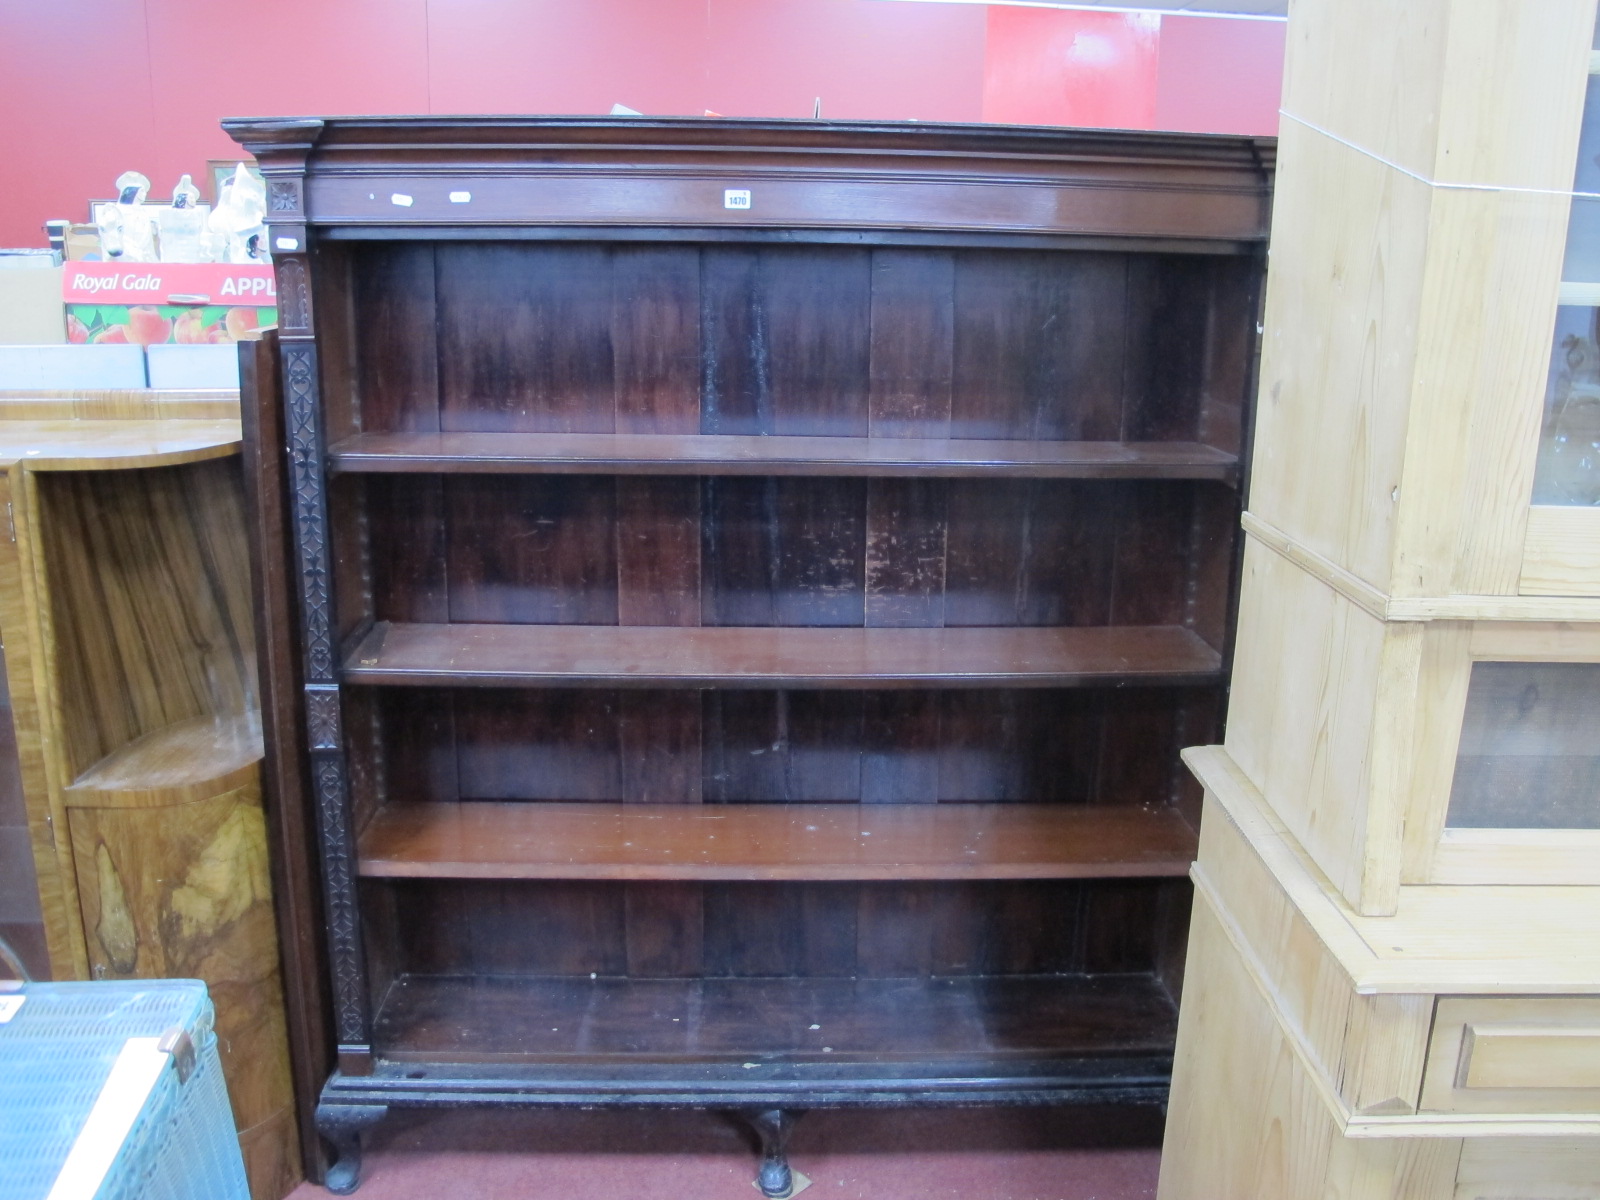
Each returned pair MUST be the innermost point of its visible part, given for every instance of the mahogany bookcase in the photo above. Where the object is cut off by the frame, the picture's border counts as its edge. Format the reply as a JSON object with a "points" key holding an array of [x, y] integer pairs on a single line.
{"points": [[754, 581]]}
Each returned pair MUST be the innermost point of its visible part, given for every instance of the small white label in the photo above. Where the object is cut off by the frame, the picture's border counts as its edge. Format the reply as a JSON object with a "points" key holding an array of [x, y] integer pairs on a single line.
{"points": [[736, 198], [460, 197], [9, 1006], [286, 243], [400, 198]]}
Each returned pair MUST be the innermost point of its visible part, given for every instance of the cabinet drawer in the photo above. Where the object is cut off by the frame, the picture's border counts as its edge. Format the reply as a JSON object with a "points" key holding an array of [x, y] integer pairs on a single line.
{"points": [[1514, 1054]]}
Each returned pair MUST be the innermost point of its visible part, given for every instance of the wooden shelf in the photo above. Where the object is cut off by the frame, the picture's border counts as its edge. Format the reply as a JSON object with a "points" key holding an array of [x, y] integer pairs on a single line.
{"points": [[518, 840], [994, 1020], [764, 657], [184, 755], [730, 454]]}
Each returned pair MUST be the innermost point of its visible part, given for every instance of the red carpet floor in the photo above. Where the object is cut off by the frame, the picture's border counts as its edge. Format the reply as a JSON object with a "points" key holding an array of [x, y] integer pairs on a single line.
{"points": [[975, 1154]]}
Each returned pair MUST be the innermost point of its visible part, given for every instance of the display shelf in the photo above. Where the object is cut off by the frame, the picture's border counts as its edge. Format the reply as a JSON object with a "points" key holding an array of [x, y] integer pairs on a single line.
{"points": [[987, 1019], [498, 840], [761, 657], [732, 454], [725, 629]]}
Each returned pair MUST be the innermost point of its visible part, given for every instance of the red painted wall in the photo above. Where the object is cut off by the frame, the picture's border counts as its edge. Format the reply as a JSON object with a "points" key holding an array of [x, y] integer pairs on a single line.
{"points": [[1219, 76], [1054, 67], [89, 88]]}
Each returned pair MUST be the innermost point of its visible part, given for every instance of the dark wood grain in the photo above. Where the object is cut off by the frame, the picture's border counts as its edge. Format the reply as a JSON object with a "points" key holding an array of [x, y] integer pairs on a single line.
{"points": [[532, 550], [815, 728], [538, 745], [901, 734], [743, 748], [739, 552], [735, 383], [525, 339], [397, 353], [665, 930], [1152, 582], [584, 172], [655, 338], [996, 746], [821, 561], [774, 841], [570, 928], [1174, 907], [785, 340], [913, 303], [333, 274], [732, 454], [1169, 314], [877, 747], [658, 551], [407, 534], [906, 533], [286, 791], [589, 655], [783, 552], [906, 494], [1225, 396], [1138, 759], [1070, 559], [1121, 920], [817, 306], [347, 521], [659, 740], [895, 930], [418, 755], [444, 1019], [1213, 550], [1026, 553], [776, 928], [1032, 359]]}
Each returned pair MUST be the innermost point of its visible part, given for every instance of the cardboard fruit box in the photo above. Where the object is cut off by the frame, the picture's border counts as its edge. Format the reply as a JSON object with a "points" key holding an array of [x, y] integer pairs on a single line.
{"points": [[150, 304]]}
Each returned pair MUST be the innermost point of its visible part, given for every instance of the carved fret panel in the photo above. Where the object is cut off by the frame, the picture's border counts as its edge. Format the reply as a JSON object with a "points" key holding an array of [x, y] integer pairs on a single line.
{"points": [[310, 507], [303, 418], [339, 886], [294, 295]]}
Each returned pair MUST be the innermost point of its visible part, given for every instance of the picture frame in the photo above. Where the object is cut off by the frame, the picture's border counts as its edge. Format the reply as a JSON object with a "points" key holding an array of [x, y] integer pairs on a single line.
{"points": [[218, 169]]}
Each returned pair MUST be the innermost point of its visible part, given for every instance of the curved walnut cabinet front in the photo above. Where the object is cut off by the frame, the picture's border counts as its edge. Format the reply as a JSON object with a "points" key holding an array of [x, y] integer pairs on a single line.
{"points": [[755, 579], [125, 589]]}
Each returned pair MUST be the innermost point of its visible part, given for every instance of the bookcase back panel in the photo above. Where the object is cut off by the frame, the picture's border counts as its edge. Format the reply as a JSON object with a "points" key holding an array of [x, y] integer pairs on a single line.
{"points": [[814, 340], [608, 550], [754, 930], [1074, 746]]}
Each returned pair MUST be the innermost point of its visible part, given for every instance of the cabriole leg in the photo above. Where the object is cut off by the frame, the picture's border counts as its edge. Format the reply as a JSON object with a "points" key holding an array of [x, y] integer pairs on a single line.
{"points": [[342, 1125]]}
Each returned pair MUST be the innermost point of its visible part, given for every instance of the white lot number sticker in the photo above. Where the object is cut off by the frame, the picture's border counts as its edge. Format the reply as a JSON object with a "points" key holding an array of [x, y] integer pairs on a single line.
{"points": [[736, 198], [9, 1006]]}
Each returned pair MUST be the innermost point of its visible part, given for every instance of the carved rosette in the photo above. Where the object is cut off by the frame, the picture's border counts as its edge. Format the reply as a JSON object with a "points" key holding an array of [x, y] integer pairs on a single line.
{"points": [[322, 717], [283, 195]]}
